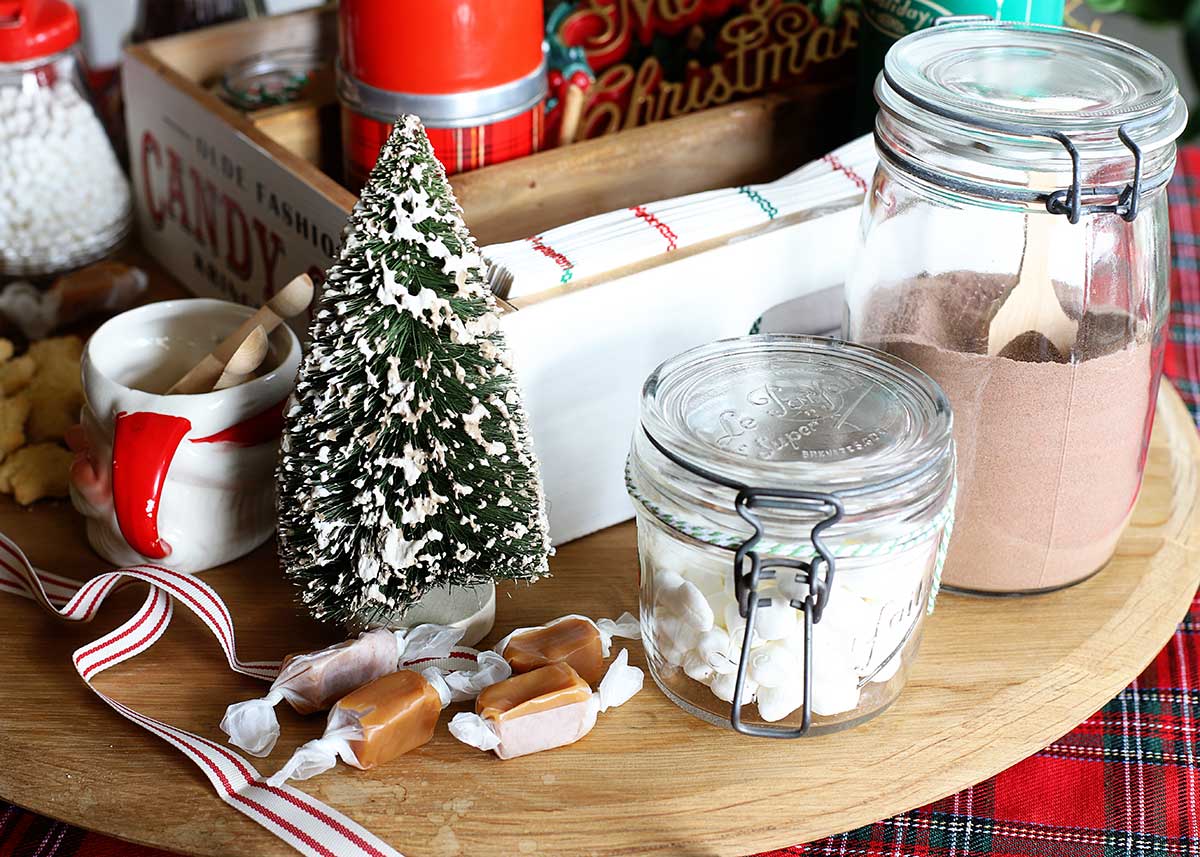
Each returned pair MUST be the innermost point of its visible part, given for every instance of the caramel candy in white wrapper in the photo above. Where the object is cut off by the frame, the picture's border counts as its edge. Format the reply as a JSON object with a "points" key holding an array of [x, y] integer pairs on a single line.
{"points": [[313, 681], [388, 717], [543, 709], [573, 639]]}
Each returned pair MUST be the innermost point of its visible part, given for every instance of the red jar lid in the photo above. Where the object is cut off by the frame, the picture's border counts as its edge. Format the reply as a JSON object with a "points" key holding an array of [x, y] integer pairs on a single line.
{"points": [[36, 28], [443, 47]]}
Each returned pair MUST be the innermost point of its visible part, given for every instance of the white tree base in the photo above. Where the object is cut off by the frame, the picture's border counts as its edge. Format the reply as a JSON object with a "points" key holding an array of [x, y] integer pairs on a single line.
{"points": [[472, 608]]}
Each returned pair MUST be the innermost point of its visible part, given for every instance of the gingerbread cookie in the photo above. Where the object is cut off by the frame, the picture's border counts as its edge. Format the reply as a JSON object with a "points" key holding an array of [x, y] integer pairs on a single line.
{"points": [[15, 374], [36, 472], [14, 410], [56, 392]]}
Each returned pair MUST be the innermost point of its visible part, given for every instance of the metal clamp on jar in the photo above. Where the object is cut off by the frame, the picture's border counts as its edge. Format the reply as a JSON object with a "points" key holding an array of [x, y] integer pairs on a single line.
{"points": [[821, 474], [1014, 247]]}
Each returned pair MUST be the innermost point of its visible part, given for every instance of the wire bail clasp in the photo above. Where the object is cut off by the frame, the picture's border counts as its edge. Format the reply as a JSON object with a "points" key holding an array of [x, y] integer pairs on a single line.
{"points": [[1070, 201], [816, 575]]}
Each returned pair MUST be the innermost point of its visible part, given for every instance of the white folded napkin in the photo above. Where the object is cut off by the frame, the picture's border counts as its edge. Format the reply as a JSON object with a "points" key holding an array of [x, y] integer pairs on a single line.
{"points": [[605, 243]]}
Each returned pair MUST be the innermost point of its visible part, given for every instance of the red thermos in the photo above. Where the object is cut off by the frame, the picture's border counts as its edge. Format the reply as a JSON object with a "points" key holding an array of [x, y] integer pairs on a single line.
{"points": [[473, 70]]}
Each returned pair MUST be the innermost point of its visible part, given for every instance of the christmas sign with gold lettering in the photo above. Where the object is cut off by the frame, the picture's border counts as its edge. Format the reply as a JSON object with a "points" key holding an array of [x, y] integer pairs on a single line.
{"points": [[641, 61]]}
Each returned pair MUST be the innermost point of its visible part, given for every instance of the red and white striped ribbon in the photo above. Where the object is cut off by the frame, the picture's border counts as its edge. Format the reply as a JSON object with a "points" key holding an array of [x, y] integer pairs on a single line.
{"points": [[308, 825]]}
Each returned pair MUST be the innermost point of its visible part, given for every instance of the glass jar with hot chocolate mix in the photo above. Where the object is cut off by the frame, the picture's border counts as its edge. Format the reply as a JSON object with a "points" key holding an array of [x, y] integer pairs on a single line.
{"points": [[1014, 246]]}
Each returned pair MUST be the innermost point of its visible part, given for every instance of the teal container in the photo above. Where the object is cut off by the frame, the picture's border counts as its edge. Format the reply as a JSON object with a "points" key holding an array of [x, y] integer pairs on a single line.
{"points": [[884, 22]]}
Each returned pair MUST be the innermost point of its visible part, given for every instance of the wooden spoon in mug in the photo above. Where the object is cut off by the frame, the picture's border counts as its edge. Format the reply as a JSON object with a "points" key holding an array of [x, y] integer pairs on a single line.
{"points": [[245, 360], [289, 301], [1033, 303]]}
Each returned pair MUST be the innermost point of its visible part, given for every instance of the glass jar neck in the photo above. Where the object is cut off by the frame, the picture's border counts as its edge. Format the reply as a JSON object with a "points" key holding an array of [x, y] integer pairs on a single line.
{"points": [[707, 511], [994, 166]]}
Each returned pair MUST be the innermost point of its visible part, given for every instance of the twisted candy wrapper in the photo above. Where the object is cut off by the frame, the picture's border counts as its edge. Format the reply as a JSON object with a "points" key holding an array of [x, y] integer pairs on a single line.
{"points": [[343, 727], [312, 682], [549, 729]]}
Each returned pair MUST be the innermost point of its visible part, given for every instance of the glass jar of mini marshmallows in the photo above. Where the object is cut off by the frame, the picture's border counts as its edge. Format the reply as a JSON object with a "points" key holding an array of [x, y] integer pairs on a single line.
{"points": [[794, 499]]}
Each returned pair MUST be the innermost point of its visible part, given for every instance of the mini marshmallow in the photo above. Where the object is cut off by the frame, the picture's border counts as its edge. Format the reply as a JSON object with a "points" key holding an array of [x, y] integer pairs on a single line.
{"points": [[723, 686], [313, 681], [689, 603], [697, 668], [834, 691], [666, 550], [547, 708], [849, 613], [714, 646], [674, 637], [735, 624], [665, 583], [791, 584], [389, 717], [776, 703], [775, 665], [719, 602], [776, 620], [836, 673], [833, 650]]}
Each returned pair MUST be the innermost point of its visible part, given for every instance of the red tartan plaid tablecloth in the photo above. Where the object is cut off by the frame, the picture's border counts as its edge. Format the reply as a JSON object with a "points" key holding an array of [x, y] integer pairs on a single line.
{"points": [[1125, 782]]}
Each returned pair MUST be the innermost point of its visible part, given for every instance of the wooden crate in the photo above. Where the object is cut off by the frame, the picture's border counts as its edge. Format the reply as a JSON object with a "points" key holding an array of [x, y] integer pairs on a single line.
{"points": [[235, 204], [749, 141]]}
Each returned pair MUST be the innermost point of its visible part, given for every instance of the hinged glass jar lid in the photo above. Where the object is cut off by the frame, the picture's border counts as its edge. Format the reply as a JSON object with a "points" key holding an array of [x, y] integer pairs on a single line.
{"points": [[1072, 120], [793, 498]]}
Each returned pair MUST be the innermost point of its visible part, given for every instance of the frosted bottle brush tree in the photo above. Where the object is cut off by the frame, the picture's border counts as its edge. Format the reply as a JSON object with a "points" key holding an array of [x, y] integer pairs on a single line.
{"points": [[406, 463]]}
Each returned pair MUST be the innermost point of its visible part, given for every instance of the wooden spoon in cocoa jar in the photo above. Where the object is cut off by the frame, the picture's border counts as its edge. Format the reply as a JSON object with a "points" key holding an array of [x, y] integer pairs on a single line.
{"points": [[1033, 303]]}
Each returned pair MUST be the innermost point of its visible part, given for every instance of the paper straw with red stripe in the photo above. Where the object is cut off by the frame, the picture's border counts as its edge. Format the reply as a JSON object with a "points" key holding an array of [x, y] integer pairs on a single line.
{"points": [[599, 245], [308, 825]]}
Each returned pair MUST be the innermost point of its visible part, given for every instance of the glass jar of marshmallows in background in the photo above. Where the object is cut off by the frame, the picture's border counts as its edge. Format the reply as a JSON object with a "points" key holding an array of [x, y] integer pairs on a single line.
{"points": [[794, 498], [64, 200]]}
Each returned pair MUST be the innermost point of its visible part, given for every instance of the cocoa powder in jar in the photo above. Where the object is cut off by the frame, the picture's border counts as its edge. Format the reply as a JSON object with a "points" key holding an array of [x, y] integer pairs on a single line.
{"points": [[1050, 446]]}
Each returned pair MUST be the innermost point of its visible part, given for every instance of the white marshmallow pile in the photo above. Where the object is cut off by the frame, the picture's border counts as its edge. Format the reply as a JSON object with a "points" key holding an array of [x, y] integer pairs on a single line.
{"points": [[863, 637], [64, 200]]}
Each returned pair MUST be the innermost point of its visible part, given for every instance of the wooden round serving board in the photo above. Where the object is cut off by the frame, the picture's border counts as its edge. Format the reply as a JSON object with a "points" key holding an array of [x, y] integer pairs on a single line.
{"points": [[996, 681]]}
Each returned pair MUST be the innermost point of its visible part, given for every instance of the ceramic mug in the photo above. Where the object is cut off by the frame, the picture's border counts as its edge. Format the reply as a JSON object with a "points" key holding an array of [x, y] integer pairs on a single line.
{"points": [[185, 481]]}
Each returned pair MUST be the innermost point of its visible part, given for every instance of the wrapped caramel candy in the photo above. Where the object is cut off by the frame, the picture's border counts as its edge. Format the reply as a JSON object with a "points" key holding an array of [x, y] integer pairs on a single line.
{"points": [[104, 288], [549, 707], [389, 717], [574, 640], [314, 681]]}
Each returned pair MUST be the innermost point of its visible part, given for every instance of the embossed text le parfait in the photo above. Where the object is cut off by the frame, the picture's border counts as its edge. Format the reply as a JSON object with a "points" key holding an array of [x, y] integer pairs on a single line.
{"points": [[794, 499]]}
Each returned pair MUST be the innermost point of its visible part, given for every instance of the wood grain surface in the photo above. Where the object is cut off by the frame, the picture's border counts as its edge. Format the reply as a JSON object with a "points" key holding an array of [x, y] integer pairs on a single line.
{"points": [[996, 681]]}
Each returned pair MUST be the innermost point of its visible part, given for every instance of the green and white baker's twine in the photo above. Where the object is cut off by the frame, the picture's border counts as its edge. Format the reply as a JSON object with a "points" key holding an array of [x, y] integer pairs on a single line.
{"points": [[761, 201], [944, 521]]}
